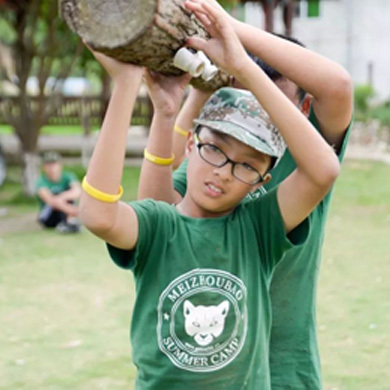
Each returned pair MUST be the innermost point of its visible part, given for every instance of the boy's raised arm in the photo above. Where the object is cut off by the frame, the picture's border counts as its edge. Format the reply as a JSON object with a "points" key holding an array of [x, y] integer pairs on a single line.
{"points": [[328, 82], [317, 164], [114, 222]]}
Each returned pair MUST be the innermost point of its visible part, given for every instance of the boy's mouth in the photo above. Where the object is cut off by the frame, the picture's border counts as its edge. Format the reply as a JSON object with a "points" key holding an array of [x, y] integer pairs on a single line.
{"points": [[213, 189]]}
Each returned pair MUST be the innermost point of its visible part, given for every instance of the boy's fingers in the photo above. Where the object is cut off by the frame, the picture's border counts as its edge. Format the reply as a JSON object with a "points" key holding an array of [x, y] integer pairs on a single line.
{"points": [[148, 77], [186, 78], [204, 19], [196, 43], [197, 9], [214, 13]]}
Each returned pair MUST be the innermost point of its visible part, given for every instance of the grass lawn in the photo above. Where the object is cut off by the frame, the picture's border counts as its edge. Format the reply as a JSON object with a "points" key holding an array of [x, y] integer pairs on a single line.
{"points": [[354, 291], [51, 130], [65, 308]]}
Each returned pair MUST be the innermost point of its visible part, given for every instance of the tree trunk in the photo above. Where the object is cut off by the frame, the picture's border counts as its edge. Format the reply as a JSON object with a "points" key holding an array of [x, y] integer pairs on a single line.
{"points": [[30, 172], [28, 138], [143, 32], [86, 143]]}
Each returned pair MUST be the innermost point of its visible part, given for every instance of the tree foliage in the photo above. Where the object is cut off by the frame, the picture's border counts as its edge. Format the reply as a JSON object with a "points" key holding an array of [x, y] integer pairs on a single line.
{"points": [[43, 46]]}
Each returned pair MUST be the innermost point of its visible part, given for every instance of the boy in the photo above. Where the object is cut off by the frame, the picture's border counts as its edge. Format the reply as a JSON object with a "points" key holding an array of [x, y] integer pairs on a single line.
{"points": [[202, 314], [57, 192], [294, 357]]}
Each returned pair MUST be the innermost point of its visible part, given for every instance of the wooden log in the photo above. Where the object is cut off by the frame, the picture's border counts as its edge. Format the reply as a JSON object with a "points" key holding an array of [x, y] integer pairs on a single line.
{"points": [[143, 32]]}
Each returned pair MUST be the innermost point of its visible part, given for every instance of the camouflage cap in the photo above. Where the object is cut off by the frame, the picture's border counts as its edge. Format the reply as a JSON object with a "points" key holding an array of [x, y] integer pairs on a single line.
{"points": [[237, 112]]}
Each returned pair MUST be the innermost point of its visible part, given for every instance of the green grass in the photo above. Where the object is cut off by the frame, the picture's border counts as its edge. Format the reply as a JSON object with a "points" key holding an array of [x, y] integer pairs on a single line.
{"points": [[51, 130], [354, 308], [65, 308]]}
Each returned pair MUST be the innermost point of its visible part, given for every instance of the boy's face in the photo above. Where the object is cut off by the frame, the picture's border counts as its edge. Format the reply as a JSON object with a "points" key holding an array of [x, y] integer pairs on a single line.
{"points": [[290, 89], [52, 170], [215, 191]]}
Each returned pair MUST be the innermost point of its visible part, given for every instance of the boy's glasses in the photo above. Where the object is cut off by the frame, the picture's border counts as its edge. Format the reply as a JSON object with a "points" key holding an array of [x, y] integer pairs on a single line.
{"points": [[216, 157]]}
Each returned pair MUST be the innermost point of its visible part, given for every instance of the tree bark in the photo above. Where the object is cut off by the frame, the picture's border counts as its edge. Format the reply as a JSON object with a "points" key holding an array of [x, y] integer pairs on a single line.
{"points": [[143, 32], [28, 19], [30, 172]]}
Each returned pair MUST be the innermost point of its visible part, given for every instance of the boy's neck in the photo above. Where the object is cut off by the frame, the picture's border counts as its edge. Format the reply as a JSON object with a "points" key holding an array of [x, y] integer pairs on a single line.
{"points": [[189, 208]]}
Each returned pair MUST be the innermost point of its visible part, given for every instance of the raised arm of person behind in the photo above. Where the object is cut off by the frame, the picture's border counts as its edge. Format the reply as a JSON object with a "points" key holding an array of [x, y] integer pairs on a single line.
{"points": [[327, 82], [317, 164], [166, 94], [191, 109]]}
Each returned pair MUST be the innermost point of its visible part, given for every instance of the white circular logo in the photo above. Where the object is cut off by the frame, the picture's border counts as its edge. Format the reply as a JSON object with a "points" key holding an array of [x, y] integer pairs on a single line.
{"points": [[202, 320]]}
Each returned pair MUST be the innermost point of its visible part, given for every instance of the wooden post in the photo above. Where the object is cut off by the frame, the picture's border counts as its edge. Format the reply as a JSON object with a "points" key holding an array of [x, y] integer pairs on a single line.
{"points": [[143, 32]]}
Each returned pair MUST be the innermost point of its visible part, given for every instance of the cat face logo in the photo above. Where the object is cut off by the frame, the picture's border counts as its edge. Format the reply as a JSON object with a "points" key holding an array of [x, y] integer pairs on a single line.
{"points": [[202, 320], [205, 322]]}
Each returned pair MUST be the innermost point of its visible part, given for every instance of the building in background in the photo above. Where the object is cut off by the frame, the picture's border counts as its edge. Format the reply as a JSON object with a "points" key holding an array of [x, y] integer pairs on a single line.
{"points": [[354, 33]]}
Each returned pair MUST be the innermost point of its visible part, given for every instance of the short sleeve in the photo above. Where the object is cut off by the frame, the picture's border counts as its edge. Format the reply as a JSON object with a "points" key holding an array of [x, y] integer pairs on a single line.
{"points": [[180, 178], [273, 241], [151, 222], [341, 151]]}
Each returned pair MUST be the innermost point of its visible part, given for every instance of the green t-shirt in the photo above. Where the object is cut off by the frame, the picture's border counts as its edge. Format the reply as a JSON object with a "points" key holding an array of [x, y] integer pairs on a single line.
{"points": [[294, 356], [64, 184], [202, 315]]}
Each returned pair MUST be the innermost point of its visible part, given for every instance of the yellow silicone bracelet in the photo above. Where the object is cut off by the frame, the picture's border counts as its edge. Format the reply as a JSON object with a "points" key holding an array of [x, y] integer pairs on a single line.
{"points": [[158, 160], [180, 131], [99, 195]]}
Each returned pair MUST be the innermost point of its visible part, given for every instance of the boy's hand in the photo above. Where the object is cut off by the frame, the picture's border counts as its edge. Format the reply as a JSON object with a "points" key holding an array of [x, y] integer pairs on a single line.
{"points": [[117, 70], [199, 94], [224, 48], [166, 92]]}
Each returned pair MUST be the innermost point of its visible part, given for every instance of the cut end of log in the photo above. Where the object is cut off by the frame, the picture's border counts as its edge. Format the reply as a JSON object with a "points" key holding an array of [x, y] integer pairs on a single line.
{"points": [[111, 23]]}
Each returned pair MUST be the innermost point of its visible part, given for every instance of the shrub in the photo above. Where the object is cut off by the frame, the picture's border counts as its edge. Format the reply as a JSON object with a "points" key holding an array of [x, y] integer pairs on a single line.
{"points": [[363, 93]]}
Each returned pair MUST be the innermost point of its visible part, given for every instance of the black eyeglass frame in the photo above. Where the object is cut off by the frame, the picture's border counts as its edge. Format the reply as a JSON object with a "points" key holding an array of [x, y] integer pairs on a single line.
{"points": [[200, 145]]}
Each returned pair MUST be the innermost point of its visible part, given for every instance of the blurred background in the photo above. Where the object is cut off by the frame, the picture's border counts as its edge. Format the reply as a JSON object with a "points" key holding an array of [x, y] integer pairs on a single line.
{"points": [[65, 310]]}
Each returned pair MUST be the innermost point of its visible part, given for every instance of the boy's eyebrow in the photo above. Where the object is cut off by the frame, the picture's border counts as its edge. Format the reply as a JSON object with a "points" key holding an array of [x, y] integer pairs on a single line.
{"points": [[252, 153]]}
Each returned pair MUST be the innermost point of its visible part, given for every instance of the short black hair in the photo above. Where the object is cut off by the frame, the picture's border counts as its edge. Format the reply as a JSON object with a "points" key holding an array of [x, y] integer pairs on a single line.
{"points": [[272, 73]]}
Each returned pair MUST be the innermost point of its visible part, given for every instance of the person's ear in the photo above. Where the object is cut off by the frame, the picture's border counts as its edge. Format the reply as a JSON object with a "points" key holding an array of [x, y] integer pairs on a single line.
{"points": [[305, 105], [267, 178], [190, 144]]}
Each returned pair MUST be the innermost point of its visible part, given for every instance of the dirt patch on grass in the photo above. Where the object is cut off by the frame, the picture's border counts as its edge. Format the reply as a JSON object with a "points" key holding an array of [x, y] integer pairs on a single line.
{"points": [[20, 223]]}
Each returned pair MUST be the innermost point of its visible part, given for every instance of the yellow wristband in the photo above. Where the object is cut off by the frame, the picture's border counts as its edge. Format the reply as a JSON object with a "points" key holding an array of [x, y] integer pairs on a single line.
{"points": [[180, 131], [158, 160], [99, 195]]}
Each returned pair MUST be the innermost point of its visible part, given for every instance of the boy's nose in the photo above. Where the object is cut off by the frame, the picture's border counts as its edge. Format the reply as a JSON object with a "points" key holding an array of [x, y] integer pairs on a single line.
{"points": [[224, 172]]}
